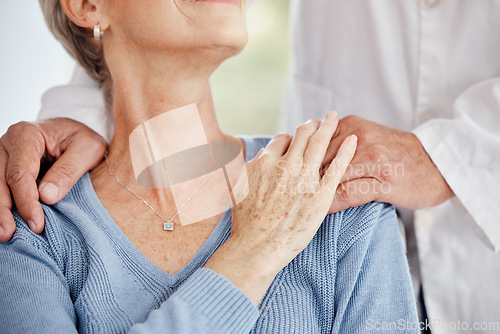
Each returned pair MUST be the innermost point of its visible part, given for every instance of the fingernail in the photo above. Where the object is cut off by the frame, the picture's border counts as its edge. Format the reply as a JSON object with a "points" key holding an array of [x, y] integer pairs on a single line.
{"points": [[2, 231], [352, 140], [32, 225], [332, 115], [50, 190]]}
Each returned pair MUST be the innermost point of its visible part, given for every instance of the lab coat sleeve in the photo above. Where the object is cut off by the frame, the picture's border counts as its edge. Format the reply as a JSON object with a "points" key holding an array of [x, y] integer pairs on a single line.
{"points": [[466, 150], [81, 100]]}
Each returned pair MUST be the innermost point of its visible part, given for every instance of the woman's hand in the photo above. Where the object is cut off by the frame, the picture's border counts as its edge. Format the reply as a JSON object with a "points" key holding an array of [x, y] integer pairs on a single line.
{"points": [[286, 204], [76, 149]]}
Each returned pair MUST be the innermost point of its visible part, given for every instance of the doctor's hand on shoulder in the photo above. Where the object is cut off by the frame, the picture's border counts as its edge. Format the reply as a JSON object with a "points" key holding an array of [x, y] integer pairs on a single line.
{"points": [[389, 166], [73, 149]]}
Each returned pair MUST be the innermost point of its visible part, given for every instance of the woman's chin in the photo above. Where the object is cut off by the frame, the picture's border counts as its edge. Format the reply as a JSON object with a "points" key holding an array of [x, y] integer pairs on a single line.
{"points": [[236, 41], [227, 44]]}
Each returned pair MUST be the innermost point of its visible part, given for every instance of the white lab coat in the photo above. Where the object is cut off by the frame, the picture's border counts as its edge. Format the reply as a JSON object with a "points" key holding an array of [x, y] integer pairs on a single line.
{"points": [[428, 66]]}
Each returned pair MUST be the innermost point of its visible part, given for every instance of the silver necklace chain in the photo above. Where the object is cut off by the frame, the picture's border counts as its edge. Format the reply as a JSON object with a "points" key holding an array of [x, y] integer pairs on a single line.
{"points": [[168, 224]]}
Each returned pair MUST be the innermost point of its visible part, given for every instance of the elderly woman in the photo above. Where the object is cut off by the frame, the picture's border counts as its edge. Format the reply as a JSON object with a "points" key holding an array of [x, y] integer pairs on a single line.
{"points": [[274, 264]]}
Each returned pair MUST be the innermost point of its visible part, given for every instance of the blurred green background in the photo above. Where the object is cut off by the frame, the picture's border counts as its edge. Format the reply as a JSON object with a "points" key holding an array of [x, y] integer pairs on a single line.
{"points": [[249, 88]]}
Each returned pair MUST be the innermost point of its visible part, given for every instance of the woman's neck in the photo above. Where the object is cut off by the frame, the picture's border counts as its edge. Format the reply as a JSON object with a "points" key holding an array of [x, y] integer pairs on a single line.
{"points": [[151, 79], [142, 93], [139, 97]]}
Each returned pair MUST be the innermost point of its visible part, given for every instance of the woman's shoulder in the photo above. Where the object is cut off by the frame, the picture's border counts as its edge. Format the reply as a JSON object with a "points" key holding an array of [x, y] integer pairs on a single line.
{"points": [[354, 223], [51, 267], [343, 229], [60, 232], [310, 282]]}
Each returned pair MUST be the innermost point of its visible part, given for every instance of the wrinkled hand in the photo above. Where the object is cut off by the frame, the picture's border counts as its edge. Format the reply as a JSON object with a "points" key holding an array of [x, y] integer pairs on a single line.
{"points": [[389, 166], [285, 205], [76, 149]]}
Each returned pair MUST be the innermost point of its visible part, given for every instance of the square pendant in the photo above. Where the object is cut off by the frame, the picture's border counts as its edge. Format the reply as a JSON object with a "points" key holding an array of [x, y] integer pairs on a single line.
{"points": [[168, 226]]}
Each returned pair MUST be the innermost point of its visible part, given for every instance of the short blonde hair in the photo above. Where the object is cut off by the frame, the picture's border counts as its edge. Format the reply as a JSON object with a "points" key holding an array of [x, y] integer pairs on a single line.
{"points": [[79, 43]]}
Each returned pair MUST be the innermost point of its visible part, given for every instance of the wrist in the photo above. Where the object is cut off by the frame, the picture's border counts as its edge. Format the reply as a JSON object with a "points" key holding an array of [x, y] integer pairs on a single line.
{"points": [[248, 272]]}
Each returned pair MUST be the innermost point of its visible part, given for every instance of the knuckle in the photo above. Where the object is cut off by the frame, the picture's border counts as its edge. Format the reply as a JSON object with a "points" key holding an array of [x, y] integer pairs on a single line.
{"points": [[319, 139], [282, 136], [22, 205], [13, 133], [258, 155], [264, 159], [15, 175], [24, 136], [377, 154], [305, 128], [364, 134], [65, 171], [352, 119], [95, 144], [343, 194], [18, 128]]}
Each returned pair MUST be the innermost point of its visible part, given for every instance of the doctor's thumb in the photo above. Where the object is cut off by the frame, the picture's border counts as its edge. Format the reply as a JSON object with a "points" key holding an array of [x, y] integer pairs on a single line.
{"points": [[354, 193], [80, 156]]}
